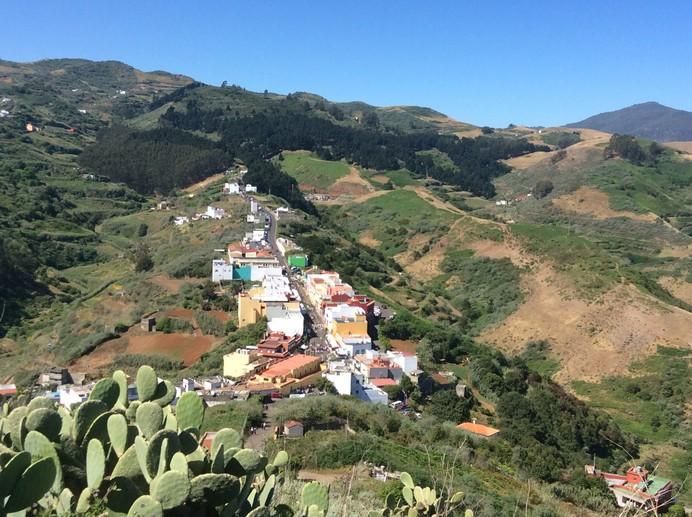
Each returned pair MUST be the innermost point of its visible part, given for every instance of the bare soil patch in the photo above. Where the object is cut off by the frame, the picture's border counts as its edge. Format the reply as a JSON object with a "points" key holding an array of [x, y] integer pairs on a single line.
{"points": [[379, 178], [678, 287], [367, 239], [684, 146], [186, 347], [196, 187], [353, 184], [101, 358], [173, 285], [404, 345], [528, 160], [593, 202], [591, 340]]}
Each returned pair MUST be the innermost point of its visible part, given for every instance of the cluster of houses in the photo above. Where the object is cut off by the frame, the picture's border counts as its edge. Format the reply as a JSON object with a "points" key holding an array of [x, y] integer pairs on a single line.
{"points": [[237, 188], [211, 213]]}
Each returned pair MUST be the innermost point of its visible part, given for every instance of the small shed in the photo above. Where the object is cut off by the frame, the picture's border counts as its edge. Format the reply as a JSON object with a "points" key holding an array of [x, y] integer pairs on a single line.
{"points": [[293, 429], [148, 324]]}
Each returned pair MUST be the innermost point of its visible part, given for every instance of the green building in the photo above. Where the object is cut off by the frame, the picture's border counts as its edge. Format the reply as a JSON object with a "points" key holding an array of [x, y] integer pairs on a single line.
{"points": [[298, 260]]}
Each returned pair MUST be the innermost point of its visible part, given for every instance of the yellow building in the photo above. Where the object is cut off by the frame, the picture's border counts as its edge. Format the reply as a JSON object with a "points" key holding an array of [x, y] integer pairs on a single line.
{"points": [[250, 309]]}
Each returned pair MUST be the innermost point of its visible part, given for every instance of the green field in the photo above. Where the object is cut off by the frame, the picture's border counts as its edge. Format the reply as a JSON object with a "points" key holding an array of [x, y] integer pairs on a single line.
{"points": [[310, 170], [395, 217]]}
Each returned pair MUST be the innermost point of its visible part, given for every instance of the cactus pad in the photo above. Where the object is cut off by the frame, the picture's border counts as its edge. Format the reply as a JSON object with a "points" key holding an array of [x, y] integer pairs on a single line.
{"points": [[107, 391], [95, 464], [214, 489], [40, 447], [85, 416], [179, 463], [230, 438], [149, 418], [165, 393], [12, 471], [265, 496], [170, 489], [13, 425], [315, 494], [145, 506], [120, 378], [45, 421], [121, 495], [40, 402], [146, 383], [117, 433], [131, 411], [281, 459], [127, 465], [153, 455], [35, 481], [246, 461], [190, 411], [84, 500]]}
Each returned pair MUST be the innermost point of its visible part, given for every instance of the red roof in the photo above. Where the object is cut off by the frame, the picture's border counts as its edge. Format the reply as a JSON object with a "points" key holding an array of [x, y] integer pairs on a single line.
{"points": [[292, 423], [386, 381], [285, 367], [8, 389], [479, 429]]}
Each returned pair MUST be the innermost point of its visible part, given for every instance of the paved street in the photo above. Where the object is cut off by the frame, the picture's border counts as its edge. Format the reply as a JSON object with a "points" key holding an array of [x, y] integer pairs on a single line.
{"points": [[315, 325]]}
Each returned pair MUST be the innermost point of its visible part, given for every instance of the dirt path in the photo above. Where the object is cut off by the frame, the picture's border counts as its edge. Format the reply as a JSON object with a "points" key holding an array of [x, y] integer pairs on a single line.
{"points": [[196, 187]]}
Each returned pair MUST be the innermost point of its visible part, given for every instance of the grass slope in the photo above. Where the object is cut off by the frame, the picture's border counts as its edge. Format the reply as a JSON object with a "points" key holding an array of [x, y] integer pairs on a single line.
{"points": [[310, 171]]}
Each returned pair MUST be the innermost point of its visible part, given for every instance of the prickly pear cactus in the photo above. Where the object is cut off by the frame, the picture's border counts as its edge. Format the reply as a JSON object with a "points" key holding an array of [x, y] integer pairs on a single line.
{"points": [[190, 411], [146, 383], [139, 458]]}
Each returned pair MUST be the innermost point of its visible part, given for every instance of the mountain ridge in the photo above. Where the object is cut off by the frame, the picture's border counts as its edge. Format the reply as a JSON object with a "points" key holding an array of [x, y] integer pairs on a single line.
{"points": [[650, 120]]}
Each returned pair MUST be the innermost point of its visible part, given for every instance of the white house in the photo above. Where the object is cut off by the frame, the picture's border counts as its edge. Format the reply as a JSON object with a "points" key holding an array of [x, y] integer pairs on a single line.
{"points": [[250, 188], [221, 270], [284, 320], [215, 213], [231, 188], [347, 382], [250, 218], [253, 206], [181, 220], [407, 362], [72, 395]]}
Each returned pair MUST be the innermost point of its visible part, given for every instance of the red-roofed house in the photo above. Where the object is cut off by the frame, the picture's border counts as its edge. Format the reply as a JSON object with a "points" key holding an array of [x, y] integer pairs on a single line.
{"points": [[8, 390], [278, 344], [386, 381]]}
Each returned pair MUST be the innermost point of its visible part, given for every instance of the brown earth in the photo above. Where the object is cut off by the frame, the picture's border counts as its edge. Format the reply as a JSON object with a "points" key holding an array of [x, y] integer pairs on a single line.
{"points": [[196, 187], [593, 202], [678, 287], [353, 184], [173, 285], [185, 347], [368, 239], [379, 178], [404, 345], [591, 340], [684, 146]]}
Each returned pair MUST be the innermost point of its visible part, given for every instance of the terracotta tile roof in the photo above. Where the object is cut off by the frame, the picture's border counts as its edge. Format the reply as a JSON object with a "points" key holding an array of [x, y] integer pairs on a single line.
{"points": [[292, 423], [383, 382], [283, 368], [479, 429]]}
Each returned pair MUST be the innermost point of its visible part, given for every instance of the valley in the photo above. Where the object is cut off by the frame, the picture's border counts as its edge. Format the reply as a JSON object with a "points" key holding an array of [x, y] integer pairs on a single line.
{"points": [[539, 257]]}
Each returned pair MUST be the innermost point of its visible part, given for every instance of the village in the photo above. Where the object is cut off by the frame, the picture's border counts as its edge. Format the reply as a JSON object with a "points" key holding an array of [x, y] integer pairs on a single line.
{"points": [[321, 336]]}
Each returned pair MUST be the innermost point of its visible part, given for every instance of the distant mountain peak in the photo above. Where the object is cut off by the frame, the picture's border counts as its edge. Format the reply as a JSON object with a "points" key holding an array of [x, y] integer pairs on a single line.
{"points": [[649, 119]]}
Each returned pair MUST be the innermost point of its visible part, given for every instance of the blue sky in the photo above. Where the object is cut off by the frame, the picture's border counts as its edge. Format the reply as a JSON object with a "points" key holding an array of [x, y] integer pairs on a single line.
{"points": [[536, 63]]}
